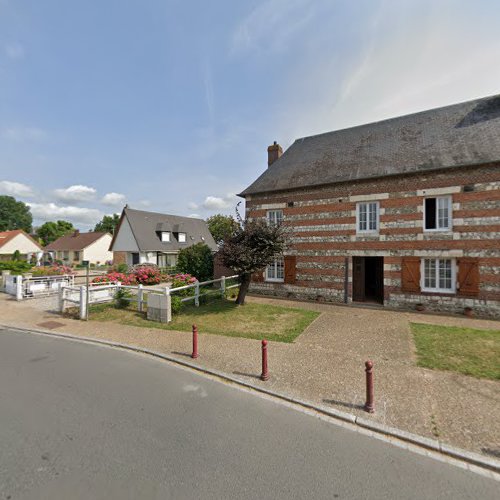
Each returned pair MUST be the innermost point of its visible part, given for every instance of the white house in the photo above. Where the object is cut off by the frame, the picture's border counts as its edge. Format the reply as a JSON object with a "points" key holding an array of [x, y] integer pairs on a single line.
{"points": [[153, 238], [10, 241], [75, 247]]}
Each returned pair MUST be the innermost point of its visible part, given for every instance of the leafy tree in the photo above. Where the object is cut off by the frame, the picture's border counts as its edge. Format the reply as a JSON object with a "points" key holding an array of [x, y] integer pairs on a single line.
{"points": [[197, 260], [51, 231], [14, 215], [107, 224], [252, 247], [16, 256], [221, 227]]}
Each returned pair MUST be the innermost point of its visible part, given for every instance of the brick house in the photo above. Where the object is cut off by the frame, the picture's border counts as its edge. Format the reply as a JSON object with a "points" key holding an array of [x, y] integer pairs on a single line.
{"points": [[397, 212]]}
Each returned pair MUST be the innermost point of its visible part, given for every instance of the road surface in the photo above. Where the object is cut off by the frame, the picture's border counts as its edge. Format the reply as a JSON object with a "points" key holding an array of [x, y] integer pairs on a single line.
{"points": [[81, 421]]}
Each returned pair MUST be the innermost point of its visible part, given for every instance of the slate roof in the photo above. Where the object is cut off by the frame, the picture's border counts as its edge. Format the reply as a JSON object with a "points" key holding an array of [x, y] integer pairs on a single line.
{"points": [[6, 236], [459, 135], [74, 241], [146, 225]]}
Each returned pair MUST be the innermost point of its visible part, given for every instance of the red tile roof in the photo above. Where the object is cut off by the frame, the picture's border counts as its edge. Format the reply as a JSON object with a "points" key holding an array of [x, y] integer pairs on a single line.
{"points": [[6, 236]]}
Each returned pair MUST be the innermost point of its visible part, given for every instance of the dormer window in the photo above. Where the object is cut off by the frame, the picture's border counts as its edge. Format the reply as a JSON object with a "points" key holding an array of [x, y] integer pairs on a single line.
{"points": [[165, 236], [182, 238]]}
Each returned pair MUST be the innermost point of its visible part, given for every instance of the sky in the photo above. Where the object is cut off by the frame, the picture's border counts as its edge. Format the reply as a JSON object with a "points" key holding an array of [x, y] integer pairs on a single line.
{"points": [[169, 105]]}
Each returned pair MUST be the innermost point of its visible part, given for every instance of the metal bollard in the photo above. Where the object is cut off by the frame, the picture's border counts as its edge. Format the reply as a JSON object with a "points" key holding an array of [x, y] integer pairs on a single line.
{"points": [[369, 405], [195, 342], [265, 371]]}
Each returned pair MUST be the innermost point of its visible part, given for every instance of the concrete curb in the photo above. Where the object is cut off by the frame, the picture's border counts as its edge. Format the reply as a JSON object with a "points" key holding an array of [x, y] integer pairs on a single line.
{"points": [[469, 458]]}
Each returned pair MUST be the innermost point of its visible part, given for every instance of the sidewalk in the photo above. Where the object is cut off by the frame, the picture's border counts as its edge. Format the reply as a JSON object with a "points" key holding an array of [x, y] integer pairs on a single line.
{"points": [[325, 365]]}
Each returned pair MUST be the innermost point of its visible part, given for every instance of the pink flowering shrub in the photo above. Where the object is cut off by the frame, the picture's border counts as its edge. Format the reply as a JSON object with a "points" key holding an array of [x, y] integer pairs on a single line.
{"points": [[113, 277], [183, 280], [147, 275]]}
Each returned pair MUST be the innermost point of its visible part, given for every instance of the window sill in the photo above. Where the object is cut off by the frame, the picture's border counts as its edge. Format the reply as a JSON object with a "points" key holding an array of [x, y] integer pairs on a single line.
{"points": [[444, 293], [274, 280]]}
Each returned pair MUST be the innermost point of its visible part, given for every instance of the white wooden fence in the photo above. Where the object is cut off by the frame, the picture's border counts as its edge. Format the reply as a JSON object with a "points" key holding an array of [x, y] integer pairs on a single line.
{"points": [[76, 296], [26, 287]]}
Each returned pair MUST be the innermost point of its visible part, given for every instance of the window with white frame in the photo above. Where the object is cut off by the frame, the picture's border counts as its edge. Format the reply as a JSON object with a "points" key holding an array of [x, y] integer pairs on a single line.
{"points": [[275, 217], [276, 270], [438, 275], [367, 217], [182, 237], [437, 213], [165, 236]]}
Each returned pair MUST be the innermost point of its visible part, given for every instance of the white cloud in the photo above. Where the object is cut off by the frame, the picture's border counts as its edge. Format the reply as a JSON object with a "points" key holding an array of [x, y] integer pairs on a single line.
{"points": [[75, 193], [14, 50], [51, 211], [215, 203], [15, 189], [113, 199], [193, 206], [195, 216], [23, 134]]}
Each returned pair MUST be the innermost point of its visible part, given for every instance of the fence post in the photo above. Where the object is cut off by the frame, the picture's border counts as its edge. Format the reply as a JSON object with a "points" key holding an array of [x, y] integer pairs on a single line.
{"points": [[194, 355], [83, 302], [140, 295], [4, 280], [169, 304], [197, 294], [223, 286], [61, 299], [19, 287]]}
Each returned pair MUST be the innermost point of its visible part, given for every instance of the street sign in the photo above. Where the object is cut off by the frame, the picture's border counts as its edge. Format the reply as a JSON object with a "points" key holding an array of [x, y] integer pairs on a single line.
{"points": [[85, 263]]}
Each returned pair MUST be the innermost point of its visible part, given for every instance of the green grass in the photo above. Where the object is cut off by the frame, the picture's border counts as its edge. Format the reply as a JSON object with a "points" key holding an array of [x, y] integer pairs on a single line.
{"points": [[462, 350], [221, 317]]}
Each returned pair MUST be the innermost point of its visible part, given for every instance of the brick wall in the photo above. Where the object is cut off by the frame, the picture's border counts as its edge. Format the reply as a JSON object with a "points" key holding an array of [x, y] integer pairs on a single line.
{"points": [[322, 222], [119, 258]]}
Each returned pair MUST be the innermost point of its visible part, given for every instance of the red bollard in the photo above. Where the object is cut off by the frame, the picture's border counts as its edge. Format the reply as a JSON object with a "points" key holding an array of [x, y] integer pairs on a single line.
{"points": [[195, 342], [369, 405], [265, 371]]}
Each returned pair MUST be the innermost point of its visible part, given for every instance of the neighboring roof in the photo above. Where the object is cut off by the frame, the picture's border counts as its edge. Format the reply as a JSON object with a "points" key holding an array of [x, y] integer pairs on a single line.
{"points": [[6, 236], [75, 241], [452, 136], [146, 225]]}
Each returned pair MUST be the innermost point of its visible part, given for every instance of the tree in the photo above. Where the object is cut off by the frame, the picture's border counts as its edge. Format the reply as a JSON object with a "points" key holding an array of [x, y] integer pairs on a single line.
{"points": [[51, 231], [221, 227], [14, 215], [107, 224], [253, 246], [197, 260]]}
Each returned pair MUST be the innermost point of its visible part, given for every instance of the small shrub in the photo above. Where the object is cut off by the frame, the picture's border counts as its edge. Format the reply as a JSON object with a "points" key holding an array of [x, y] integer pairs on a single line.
{"points": [[121, 268], [183, 280], [16, 256], [122, 298], [147, 275], [15, 267], [54, 270], [176, 304]]}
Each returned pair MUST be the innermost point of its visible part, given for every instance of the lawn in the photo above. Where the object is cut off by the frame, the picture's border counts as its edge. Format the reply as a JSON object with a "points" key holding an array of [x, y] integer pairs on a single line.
{"points": [[221, 317], [463, 350]]}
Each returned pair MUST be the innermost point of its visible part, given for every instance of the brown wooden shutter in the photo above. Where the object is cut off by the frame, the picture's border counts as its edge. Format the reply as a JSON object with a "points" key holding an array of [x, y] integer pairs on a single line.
{"points": [[258, 277], [468, 276], [290, 268], [410, 274]]}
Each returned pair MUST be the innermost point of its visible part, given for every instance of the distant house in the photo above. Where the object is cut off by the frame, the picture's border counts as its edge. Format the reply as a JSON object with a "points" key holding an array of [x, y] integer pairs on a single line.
{"points": [[10, 241], [75, 247], [400, 212], [153, 238]]}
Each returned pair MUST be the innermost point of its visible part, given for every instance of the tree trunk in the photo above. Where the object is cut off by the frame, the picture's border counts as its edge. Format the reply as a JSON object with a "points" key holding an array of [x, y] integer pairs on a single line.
{"points": [[244, 285]]}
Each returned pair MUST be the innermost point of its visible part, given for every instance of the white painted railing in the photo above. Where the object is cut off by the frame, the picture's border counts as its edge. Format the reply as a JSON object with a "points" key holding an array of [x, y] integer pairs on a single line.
{"points": [[26, 287], [76, 296]]}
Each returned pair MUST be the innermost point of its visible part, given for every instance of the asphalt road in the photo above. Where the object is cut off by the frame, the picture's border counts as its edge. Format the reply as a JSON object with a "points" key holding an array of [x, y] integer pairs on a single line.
{"points": [[80, 421]]}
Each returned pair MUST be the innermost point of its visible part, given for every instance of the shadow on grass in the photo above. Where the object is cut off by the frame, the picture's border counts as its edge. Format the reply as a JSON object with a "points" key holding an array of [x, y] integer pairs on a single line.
{"points": [[336, 402]]}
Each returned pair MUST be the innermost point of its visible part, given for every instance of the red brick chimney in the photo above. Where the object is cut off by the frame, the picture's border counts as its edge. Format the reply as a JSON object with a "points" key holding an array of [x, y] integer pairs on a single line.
{"points": [[273, 153]]}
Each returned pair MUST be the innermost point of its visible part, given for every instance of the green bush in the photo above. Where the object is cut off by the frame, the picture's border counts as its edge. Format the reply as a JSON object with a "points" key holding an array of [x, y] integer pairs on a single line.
{"points": [[197, 260], [15, 267], [122, 298], [176, 304], [121, 268]]}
